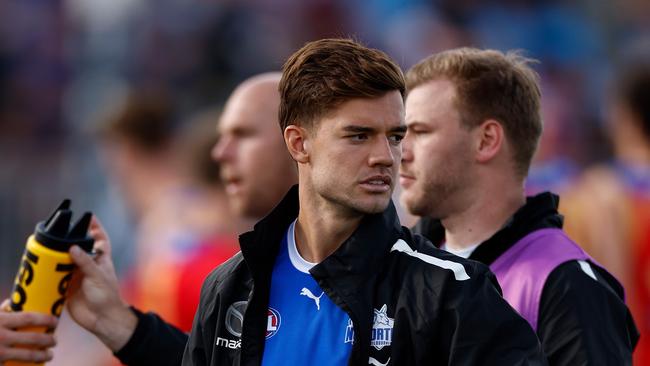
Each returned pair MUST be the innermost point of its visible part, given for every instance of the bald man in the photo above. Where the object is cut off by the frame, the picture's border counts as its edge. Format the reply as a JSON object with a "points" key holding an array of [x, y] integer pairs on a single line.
{"points": [[257, 171], [256, 167]]}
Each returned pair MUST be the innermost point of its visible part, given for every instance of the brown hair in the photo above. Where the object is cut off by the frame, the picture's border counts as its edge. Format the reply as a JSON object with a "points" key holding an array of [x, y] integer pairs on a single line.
{"points": [[632, 89], [144, 120], [196, 140], [325, 73], [490, 84]]}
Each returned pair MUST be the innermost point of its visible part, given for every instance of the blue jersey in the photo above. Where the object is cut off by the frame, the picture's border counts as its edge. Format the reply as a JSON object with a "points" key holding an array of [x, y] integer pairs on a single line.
{"points": [[304, 326]]}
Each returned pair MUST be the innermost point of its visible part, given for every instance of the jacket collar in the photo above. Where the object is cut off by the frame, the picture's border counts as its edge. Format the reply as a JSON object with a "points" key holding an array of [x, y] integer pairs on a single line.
{"points": [[361, 252], [260, 248], [261, 245], [539, 212], [346, 275]]}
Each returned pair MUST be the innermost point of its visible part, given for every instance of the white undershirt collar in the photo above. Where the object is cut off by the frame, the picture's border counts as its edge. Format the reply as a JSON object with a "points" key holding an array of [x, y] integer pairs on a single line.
{"points": [[296, 259], [464, 253]]}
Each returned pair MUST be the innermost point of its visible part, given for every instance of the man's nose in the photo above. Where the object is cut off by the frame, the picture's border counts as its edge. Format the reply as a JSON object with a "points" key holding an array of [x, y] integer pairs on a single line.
{"points": [[383, 153], [407, 145], [222, 150]]}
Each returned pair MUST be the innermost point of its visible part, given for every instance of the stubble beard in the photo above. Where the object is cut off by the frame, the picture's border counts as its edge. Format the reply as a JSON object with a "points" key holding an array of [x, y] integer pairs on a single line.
{"points": [[354, 207], [435, 195]]}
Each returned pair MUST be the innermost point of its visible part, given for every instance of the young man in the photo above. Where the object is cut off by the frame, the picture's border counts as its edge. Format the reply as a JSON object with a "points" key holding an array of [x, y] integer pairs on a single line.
{"points": [[473, 122], [257, 171], [329, 276]]}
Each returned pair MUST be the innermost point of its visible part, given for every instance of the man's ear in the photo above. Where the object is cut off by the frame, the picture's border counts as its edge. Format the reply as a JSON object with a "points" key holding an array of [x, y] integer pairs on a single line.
{"points": [[490, 139], [297, 142]]}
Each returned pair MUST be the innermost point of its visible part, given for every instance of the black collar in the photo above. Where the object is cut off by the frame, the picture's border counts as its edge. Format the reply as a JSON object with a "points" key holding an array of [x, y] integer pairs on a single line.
{"points": [[346, 275], [539, 212], [361, 252], [364, 251], [261, 245]]}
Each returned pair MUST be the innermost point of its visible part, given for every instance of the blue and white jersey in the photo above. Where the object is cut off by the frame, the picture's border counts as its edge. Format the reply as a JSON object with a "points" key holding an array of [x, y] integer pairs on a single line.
{"points": [[304, 326]]}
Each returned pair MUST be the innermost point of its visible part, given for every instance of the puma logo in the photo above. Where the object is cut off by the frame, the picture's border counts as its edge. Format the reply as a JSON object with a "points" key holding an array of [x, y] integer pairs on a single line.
{"points": [[306, 292], [372, 361]]}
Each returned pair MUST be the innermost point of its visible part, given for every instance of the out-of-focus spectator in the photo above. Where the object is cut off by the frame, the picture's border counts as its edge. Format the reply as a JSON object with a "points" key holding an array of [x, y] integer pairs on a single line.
{"points": [[554, 167], [608, 210], [194, 263], [173, 189], [257, 171]]}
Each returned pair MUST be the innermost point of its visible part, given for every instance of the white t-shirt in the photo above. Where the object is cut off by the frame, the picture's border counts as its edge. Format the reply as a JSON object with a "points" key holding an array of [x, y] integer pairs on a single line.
{"points": [[464, 253]]}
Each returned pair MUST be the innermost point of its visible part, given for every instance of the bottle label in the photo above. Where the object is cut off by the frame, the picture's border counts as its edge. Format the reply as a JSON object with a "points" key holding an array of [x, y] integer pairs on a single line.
{"points": [[42, 280]]}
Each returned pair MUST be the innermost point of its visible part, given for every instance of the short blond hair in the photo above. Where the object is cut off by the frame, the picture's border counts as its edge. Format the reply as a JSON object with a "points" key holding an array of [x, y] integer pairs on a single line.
{"points": [[490, 85]]}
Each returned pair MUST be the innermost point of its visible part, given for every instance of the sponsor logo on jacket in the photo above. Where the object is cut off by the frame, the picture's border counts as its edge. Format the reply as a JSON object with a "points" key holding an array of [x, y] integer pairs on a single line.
{"points": [[235, 317], [228, 343], [234, 322]]}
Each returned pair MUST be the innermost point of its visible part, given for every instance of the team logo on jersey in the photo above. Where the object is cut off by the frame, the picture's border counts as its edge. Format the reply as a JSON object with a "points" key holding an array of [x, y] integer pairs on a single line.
{"points": [[382, 329], [349, 332], [272, 323], [235, 318]]}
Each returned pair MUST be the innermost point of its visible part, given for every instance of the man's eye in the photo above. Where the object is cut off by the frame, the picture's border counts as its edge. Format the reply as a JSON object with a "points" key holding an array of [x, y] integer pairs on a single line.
{"points": [[359, 137], [396, 138]]}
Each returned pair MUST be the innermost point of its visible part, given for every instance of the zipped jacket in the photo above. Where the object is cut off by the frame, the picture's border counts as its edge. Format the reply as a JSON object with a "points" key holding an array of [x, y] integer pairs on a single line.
{"points": [[410, 303]]}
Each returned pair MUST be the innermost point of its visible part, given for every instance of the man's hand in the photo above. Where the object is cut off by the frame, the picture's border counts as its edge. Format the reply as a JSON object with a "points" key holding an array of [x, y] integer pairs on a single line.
{"points": [[25, 346], [94, 299]]}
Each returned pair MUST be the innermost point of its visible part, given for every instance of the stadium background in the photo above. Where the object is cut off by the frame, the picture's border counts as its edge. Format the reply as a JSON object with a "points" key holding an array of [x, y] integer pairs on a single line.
{"points": [[64, 64]]}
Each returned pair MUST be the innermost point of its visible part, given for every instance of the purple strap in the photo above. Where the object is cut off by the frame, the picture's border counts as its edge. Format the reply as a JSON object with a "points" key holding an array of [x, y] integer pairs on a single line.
{"points": [[524, 268]]}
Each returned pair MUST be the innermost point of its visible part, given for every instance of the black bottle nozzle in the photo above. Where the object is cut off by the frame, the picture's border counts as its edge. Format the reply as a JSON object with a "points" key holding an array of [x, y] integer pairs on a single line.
{"points": [[65, 205], [59, 225], [56, 233], [79, 231]]}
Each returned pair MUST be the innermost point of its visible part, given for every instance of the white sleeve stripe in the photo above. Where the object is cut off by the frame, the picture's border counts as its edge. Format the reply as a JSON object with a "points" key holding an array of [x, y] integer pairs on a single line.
{"points": [[586, 268], [459, 270]]}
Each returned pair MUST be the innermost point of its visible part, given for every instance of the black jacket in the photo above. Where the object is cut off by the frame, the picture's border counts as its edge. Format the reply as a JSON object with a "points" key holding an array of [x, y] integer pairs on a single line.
{"points": [[154, 342], [581, 321], [438, 319]]}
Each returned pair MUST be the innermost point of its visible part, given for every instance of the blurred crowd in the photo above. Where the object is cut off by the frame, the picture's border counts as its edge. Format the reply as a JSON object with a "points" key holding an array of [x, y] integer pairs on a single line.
{"points": [[113, 103]]}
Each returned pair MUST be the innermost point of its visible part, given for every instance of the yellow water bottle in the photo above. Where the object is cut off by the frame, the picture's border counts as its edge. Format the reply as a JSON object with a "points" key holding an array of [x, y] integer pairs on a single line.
{"points": [[46, 267]]}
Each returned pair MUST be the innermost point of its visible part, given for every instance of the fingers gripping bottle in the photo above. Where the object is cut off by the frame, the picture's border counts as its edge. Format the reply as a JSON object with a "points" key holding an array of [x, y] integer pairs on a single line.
{"points": [[46, 268]]}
